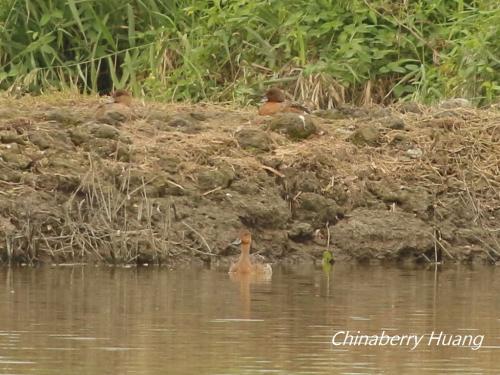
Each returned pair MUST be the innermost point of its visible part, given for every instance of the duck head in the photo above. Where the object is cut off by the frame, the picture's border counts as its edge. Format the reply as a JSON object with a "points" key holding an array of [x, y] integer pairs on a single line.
{"points": [[244, 237], [274, 94], [122, 96]]}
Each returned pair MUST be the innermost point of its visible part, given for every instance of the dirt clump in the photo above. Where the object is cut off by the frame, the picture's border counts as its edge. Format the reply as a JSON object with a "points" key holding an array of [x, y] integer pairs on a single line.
{"points": [[380, 234], [296, 127], [366, 135], [254, 139]]}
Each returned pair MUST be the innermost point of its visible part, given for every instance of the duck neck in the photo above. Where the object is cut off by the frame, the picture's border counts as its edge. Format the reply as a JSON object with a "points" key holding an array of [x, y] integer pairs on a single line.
{"points": [[245, 253]]}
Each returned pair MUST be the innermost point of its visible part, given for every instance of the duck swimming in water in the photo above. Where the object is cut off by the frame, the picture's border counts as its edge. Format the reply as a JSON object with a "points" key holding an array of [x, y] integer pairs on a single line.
{"points": [[277, 103], [244, 265]]}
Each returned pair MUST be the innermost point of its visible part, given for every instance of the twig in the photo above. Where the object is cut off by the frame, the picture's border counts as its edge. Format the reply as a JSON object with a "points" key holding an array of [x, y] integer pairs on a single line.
{"points": [[327, 235], [270, 169], [199, 235], [175, 184], [426, 257], [212, 191], [442, 247]]}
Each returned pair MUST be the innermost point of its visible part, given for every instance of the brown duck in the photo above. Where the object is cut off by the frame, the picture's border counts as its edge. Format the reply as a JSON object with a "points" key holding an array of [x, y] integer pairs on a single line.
{"points": [[277, 103], [117, 111], [244, 265]]}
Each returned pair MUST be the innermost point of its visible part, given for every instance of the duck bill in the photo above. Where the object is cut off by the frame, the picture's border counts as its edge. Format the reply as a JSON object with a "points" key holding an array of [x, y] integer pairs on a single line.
{"points": [[236, 242]]}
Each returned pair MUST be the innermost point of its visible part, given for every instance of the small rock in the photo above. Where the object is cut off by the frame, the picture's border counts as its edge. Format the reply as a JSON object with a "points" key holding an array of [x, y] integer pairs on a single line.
{"points": [[123, 153], [42, 140], [413, 199], [377, 112], [114, 114], [12, 137], [330, 114], [168, 163], [495, 134], [395, 123], [245, 187], [13, 147], [105, 131], [176, 190], [318, 209], [79, 136], [160, 116], [300, 231], [446, 114], [17, 160], [60, 137], [455, 103], [410, 107], [63, 116], [254, 139], [314, 202], [181, 123], [414, 153], [350, 111], [307, 182], [198, 116], [365, 135], [273, 161], [268, 211], [116, 117], [211, 179], [10, 175], [109, 148], [401, 139], [63, 163], [295, 126]]}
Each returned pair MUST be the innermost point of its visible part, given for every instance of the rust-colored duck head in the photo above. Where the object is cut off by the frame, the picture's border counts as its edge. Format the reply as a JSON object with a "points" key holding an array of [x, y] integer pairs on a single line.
{"points": [[122, 96], [276, 103], [244, 238], [275, 95]]}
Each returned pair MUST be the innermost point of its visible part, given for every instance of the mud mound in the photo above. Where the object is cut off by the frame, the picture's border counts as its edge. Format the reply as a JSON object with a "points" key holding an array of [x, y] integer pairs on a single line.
{"points": [[178, 181]]}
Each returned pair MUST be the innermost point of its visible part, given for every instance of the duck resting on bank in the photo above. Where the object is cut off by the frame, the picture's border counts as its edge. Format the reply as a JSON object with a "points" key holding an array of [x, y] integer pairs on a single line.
{"points": [[244, 265], [117, 111], [277, 103]]}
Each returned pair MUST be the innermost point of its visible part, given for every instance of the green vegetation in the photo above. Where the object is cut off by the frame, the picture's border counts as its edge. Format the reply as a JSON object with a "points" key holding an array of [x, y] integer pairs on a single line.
{"points": [[328, 51]]}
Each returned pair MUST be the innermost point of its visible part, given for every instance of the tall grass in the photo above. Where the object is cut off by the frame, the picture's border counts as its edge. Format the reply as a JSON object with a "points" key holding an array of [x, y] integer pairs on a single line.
{"points": [[328, 51]]}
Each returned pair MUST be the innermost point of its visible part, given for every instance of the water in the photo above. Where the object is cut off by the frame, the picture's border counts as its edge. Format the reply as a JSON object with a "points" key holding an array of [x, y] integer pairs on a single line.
{"points": [[198, 321]]}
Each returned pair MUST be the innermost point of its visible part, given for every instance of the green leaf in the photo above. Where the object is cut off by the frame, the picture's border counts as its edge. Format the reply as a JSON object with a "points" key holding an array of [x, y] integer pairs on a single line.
{"points": [[131, 25], [45, 19], [76, 16]]}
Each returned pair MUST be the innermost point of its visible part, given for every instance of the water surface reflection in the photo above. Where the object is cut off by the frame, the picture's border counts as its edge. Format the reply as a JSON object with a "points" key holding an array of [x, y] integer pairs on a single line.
{"points": [[198, 321]]}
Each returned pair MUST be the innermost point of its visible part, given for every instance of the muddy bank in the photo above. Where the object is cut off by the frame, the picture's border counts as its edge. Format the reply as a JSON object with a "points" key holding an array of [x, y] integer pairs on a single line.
{"points": [[168, 183]]}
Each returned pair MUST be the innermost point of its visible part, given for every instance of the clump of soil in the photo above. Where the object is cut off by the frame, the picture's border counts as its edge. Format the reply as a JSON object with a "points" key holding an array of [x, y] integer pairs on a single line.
{"points": [[176, 181], [296, 127]]}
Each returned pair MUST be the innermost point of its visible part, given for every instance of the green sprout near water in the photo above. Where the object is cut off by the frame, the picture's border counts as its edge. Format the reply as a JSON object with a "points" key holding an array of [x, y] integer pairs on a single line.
{"points": [[328, 260]]}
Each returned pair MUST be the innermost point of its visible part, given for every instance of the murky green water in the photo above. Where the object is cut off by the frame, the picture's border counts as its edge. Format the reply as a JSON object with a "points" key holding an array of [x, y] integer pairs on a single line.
{"points": [[192, 321]]}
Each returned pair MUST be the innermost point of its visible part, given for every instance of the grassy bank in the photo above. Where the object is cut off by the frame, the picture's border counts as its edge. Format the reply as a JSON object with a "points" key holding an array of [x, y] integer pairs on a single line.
{"points": [[327, 52], [178, 181]]}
